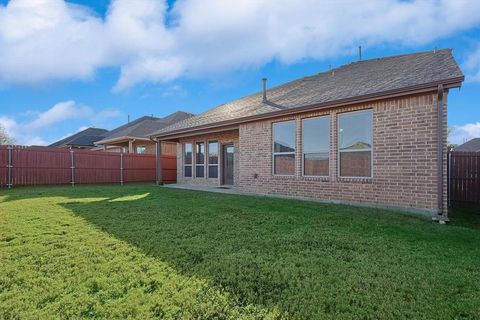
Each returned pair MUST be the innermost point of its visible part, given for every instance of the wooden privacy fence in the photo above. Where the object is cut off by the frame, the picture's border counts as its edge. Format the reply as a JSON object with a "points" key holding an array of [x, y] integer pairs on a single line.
{"points": [[464, 179], [49, 166]]}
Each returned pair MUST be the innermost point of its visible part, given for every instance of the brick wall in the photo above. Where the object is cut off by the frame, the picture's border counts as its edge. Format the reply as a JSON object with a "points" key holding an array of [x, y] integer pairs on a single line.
{"points": [[223, 138], [404, 158]]}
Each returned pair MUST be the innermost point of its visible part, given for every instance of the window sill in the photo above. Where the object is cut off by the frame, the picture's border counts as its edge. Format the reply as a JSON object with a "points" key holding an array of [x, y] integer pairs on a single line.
{"points": [[355, 179], [279, 176], [314, 178]]}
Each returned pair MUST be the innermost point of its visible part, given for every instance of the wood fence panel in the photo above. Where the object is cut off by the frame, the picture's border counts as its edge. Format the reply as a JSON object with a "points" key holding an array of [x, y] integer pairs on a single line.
{"points": [[169, 168], [3, 166], [93, 167], [51, 166], [464, 180], [35, 166], [139, 167]]}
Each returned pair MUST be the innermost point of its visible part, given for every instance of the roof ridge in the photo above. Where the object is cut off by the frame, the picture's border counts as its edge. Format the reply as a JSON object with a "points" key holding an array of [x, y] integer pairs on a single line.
{"points": [[355, 79]]}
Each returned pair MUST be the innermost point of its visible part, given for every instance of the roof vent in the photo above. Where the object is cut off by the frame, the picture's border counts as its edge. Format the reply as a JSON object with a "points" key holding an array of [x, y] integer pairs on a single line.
{"points": [[359, 53], [264, 84]]}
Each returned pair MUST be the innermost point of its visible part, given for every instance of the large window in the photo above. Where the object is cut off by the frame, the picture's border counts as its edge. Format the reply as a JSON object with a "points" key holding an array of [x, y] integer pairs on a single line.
{"points": [[200, 160], [213, 159], [355, 144], [316, 146], [187, 160], [284, 148]]}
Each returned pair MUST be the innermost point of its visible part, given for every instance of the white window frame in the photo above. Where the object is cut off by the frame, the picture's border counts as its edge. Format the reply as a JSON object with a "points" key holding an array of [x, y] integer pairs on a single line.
{"points": [[354, 150], [204, 160], [208, 159], [185, 157], [284, 153], [329, 147]]}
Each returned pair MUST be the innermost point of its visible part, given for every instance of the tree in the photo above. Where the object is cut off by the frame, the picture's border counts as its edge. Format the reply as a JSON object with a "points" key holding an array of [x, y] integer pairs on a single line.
{"points": [[450, 145], [4, 137]]}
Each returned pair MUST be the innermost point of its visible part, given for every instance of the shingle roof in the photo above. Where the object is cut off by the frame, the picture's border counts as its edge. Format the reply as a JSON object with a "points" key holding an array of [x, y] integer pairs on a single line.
{"points": [[143, 127], [469, 146], [353, 80], [85, 138]]}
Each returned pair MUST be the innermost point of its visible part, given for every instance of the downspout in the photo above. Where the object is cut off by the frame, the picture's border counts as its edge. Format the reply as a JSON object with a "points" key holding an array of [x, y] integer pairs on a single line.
{"points": [[441, 217]]}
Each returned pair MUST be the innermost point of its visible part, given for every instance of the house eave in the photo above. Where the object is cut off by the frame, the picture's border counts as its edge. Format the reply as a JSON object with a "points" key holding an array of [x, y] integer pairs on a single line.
{"points": [[120, 140], [412, 90]]}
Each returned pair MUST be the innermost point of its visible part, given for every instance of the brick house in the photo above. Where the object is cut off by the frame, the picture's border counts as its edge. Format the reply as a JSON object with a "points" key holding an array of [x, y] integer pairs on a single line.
{"points": [[372, 132], [134, 137], [84, 139]]}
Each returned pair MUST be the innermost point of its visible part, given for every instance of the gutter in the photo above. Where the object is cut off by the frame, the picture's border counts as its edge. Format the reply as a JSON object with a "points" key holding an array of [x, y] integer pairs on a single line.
{"points": [[430, 87], [121, 140]]}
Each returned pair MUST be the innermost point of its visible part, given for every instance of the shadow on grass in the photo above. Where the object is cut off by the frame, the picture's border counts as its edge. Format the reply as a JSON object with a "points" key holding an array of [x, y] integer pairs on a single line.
{"points": [[312, 260]]}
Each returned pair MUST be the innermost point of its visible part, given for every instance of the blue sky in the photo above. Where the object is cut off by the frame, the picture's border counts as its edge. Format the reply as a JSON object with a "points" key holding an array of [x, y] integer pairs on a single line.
{"points": [[67, 66]]}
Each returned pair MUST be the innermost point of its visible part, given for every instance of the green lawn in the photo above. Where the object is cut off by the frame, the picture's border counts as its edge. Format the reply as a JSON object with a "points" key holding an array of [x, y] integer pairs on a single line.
{"points": [[142, 251]]}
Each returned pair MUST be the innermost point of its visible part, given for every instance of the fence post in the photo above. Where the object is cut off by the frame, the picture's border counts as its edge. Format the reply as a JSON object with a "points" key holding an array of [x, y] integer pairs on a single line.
{"points": [[9, 166], [121, 168], [72, 168], [449, 179]]}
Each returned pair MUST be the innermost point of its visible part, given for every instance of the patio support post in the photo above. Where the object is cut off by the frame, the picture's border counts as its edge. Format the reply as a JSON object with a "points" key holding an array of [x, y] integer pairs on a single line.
{"points": [[9, 167], [121, 168], [72, 168], [158, 148]]}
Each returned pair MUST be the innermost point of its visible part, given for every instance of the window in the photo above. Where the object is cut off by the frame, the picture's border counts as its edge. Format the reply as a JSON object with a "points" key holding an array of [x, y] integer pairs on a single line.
{"points": [[355, 144], [316, 146], [213, 159], [141, 149], [284, 148], [200, 160], [187, 160]]}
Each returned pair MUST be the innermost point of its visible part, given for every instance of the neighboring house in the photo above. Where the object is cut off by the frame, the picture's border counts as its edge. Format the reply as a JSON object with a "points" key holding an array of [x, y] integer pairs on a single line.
{"points": [[469, 146], [81, 140], [134, 137], [366, 132]]}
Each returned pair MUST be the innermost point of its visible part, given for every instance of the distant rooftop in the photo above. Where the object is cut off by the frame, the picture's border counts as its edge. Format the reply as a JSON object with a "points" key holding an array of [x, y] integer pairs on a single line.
{"points": [[84, 138], [143, 127], [469, 146]]}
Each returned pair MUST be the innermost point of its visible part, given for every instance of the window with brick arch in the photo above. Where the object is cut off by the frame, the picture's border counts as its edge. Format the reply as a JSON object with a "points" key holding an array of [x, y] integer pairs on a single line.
{"points": [[316, 146], [355, 144], [200, 160], [187, 160], [284, 148], [213, 159]]}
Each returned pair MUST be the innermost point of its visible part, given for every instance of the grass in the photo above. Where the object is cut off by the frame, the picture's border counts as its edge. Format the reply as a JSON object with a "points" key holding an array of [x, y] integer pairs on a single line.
{"points": [[142, 251]]}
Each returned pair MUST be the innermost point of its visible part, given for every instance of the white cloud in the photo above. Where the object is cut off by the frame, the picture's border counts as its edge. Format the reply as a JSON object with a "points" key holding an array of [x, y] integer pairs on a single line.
{"points": [[473, 64], [463, 133], [31, 131], [41, 40], [60, 112]]}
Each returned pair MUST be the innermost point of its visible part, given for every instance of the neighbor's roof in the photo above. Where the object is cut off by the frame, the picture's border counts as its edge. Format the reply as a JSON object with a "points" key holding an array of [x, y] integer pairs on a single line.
{"points": [[469, 146], [143, 127], [353, 81], [85, 138]]}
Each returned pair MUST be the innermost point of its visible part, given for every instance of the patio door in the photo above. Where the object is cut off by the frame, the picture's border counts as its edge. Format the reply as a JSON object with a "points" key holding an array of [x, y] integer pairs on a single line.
{"points": [[228, 164]]}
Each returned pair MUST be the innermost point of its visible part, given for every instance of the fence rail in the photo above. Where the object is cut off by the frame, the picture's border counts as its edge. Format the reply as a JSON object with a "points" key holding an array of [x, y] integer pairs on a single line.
{"points": [[464, 179], [49, 166]]}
